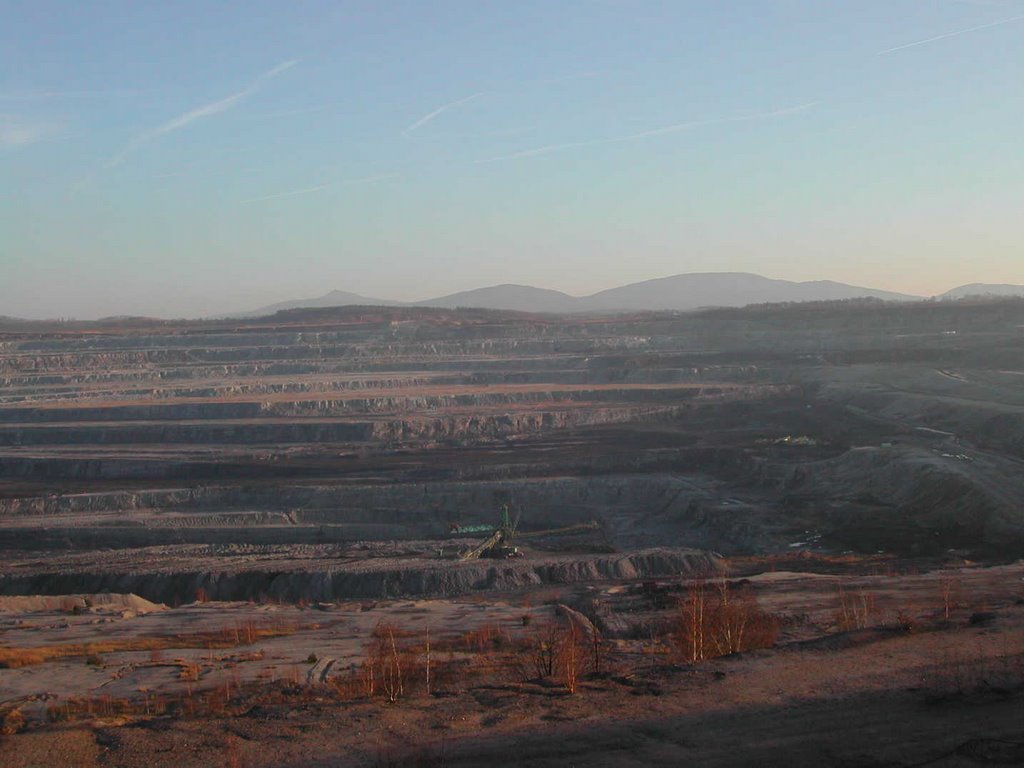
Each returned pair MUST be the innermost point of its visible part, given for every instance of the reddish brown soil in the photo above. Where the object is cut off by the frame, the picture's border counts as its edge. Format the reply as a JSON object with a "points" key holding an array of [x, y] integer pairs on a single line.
{"points": [[945, 692]]}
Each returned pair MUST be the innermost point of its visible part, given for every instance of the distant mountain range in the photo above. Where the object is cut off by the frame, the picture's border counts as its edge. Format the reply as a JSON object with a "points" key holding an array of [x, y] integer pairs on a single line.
{"points": [[680, 293], [983, 289], [725, 289], [331, 299], [520, 298]]}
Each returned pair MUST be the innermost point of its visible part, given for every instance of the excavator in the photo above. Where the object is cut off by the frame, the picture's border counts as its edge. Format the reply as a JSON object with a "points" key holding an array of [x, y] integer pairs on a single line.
{"points": [[499, 544]]}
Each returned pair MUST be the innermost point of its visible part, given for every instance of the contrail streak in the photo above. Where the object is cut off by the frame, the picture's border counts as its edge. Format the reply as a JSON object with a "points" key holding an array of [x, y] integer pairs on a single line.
{"points": [[948, 35], [675, 128], [292, 193], [443, 108], [207, 110], [319, 187]]}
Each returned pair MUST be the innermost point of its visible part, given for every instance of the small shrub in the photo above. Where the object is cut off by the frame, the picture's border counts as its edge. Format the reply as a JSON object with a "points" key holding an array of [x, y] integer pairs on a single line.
{"points": [[12, 722], [189, 672], [856, 610], [949, 589], [716, 620]]}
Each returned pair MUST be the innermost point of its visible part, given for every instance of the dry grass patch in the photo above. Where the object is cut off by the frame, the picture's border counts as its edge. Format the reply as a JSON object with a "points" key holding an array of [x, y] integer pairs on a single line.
{"points": [[240, 634]]}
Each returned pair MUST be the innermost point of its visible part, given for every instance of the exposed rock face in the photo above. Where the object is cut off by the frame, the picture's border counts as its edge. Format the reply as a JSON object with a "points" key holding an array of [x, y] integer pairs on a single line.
{"points": [[911, 501], [414, 578], [635, 511], [205, 432], [348, 405]]}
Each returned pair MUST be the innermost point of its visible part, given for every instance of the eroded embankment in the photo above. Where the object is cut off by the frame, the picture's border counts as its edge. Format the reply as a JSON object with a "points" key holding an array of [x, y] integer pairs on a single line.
{"points": [[909, 500], [469, 425], [410, 579], [305, 350], [546, 501], [334, 404]]}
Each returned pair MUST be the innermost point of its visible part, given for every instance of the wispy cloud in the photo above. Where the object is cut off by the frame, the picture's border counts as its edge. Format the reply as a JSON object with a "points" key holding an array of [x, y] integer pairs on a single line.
{"points": [[199, 113], [957, 33], [662, 131], [320, 187], [439, 111], [18, 132]]}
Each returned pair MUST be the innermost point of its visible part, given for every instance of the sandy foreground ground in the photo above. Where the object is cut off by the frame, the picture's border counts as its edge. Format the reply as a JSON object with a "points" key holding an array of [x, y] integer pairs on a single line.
{"points": [[948, 692]]}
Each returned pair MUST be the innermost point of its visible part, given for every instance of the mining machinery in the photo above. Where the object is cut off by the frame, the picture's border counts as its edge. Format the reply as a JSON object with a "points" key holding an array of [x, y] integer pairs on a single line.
{"points": [[500, 544]]}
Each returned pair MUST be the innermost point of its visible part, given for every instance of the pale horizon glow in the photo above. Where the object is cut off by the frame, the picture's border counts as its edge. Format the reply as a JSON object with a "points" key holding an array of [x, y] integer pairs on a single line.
{"points": [[180, 161]]}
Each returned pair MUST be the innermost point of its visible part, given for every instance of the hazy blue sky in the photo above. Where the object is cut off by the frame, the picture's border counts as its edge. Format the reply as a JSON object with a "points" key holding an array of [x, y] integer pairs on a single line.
{"points": [[189, 158]]}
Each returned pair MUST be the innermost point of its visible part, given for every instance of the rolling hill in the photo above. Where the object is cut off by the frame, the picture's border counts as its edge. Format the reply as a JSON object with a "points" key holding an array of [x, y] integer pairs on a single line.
{"points": [[983, 289], [680, 293]]}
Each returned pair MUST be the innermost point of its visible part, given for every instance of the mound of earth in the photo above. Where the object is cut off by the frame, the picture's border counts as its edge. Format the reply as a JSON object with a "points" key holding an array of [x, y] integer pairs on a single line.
{"points": [[116, 602]]}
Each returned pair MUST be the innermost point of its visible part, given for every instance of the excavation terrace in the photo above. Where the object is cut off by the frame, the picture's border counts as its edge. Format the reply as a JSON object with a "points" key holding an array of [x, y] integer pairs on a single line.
{"points": [[260, 504]]}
